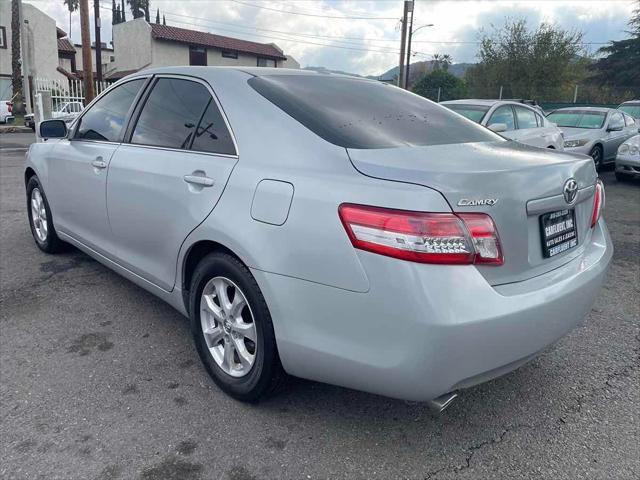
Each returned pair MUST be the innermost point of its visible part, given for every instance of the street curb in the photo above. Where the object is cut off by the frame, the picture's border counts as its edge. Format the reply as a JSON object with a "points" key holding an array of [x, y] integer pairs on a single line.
{"points": [[15, 129]]}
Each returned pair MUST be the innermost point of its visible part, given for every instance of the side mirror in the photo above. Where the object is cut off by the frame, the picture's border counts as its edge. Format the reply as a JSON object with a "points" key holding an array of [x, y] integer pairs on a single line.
{"points": [[52, 129], [615, 129], [498, 127]]}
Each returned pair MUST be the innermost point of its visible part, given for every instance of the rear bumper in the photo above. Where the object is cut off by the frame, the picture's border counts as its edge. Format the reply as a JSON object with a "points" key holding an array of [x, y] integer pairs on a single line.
{"points": [[424, 330]]}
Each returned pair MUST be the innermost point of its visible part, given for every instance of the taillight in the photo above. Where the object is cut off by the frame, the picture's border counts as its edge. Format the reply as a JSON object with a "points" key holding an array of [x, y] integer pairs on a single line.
{"points": [[10, 107], [598, 203], [443, 238]]}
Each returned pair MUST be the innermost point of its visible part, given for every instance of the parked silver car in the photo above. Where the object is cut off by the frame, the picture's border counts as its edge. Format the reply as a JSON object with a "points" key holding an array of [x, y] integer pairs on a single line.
{"points": [[512, 119], [333, 228], [594, 131], [628, 159], [632, 108]]}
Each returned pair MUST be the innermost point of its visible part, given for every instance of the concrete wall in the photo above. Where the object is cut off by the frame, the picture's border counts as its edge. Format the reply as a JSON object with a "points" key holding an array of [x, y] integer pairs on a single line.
{"points": [[132, 45], [167, 54]]}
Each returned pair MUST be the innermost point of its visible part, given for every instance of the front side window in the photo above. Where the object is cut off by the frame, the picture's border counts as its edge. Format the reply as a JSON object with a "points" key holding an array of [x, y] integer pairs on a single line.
{"points": [[504, 115], [472, 112], [526, 118], [355, 113], [616, 121], [171, 113], [106, 118]]}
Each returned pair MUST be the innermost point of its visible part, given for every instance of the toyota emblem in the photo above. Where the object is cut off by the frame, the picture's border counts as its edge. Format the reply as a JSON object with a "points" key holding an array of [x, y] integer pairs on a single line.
{"points": [[570, 191]]}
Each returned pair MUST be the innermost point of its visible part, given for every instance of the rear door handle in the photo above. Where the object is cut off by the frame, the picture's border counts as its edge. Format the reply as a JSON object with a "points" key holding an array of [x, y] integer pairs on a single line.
{"points": [[99, 163], [199, 180]]}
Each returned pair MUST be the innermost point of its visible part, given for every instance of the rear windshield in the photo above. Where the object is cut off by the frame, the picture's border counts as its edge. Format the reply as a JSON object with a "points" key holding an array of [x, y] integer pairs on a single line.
{"points": [[355, 113], [472, 112], [631, 109], [578, 119]]}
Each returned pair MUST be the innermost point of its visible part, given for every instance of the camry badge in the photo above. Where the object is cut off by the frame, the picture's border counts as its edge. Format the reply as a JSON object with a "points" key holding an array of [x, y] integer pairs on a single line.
{"points": [[465, 202], [570, 191]]}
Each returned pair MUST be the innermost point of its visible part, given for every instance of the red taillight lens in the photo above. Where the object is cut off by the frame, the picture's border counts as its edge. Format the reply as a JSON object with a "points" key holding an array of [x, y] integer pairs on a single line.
{"points": [[10, 107], [443, 238], [598, 203]]}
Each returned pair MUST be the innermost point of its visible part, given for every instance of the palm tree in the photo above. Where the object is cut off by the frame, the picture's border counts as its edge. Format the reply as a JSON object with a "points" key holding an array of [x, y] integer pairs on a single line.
{"points": [[446, 61], [72, 5], [16, 64], [437, 58]]}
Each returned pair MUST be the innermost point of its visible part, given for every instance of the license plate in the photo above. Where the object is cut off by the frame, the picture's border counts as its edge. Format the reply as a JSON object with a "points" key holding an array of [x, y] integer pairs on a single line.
{"points": [[558, 231]]}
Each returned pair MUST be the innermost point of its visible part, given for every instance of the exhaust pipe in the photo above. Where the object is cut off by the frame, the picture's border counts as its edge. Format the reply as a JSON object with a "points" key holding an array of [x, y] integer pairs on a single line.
{"points": [[438, 405]]}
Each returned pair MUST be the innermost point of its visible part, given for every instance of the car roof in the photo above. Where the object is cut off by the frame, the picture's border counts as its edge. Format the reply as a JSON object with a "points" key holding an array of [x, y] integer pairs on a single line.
{"points": [[585, 109], [253, 71], [631, 102], [487, 102]]}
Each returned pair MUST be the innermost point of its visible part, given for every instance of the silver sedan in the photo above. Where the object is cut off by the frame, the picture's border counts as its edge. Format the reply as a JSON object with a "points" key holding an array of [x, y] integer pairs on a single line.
{"points": [[628, 159], [327, 227], [597, 132]]}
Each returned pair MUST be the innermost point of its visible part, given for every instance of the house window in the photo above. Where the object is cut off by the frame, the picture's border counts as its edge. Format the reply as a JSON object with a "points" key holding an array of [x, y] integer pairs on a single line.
{"points": [[229, 54], [266, 62], [112, 58], [3, 37], [197, 56]]}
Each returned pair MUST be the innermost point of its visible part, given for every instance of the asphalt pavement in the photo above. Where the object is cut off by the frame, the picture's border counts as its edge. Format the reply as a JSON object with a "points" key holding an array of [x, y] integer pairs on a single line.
{"points": [[100, 380]]}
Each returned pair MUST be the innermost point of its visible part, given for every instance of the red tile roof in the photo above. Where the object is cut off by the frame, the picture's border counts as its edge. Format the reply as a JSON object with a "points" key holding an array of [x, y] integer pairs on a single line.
{"points": [[204, 39], [64, 45]]}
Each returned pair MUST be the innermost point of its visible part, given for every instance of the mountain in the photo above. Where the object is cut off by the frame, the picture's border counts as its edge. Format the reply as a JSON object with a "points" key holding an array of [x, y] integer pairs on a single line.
{"points": [[418, 69]]}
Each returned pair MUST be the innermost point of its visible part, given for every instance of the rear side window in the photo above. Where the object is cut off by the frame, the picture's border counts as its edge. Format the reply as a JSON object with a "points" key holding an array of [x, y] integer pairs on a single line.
{"points": [[105, 119], [526, 118], [503, 114], [356, 113], [171, 113], [212, 134]]}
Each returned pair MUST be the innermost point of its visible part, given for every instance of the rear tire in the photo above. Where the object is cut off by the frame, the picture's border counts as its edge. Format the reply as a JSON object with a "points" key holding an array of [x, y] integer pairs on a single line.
{"points": [[596, 155], [258, 373], [40, 218]]}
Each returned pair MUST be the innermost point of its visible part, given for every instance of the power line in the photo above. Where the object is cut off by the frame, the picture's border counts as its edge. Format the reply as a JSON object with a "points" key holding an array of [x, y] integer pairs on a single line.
{"points": [[291, 12]]}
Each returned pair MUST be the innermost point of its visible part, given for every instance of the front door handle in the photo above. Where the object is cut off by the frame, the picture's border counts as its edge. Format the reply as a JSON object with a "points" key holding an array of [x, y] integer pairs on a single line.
{"points": [[199, 180], [99, 163]]}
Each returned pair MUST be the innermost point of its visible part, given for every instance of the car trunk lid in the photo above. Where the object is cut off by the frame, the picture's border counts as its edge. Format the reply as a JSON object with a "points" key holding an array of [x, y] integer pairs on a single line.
{"points": [[512, 183]]}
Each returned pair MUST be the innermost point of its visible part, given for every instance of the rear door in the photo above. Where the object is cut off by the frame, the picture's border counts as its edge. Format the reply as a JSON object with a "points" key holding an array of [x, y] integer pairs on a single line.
{"points": [[168, 176]]}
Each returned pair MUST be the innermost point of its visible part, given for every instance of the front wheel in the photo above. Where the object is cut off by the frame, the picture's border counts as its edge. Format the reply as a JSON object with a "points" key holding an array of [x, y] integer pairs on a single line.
{"points": [[232, 329], [596, 154], [40, 219]]}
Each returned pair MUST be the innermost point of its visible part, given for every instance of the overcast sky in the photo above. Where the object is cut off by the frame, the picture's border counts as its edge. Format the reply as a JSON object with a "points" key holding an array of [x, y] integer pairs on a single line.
{"points": [[326, 32]]}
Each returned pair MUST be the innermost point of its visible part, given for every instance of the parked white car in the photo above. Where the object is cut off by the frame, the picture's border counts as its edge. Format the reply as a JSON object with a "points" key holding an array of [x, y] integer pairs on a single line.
{"points": [[6, 108], [628, 159], [513, 120], [68, 109]]}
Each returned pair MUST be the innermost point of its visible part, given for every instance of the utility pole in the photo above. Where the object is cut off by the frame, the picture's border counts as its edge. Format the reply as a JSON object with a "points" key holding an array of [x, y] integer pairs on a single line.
{"points": [[403, 42], [96, 16], [408, 66], [87, 66]]}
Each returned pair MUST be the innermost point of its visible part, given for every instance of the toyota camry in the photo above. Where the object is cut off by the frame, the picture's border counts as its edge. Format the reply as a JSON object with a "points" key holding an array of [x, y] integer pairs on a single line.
{"points": [[326, 227]]}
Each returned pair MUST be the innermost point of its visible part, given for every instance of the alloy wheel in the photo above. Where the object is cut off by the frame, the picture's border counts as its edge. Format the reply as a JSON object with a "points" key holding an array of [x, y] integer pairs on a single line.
{"points": [[596, 154], [228, 326], [39, 215]]}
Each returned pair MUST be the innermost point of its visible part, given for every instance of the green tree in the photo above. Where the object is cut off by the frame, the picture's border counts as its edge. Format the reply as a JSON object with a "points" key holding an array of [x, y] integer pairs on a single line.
{"points": [[450, 86], [619, 67], [158, 16], [16, 63], [123, 16], [139, 9], [540, 64]]}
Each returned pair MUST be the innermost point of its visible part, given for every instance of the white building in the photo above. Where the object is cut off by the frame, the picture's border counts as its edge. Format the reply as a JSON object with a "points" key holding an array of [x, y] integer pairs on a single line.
{"points": [[139, 44], [39, 46]]}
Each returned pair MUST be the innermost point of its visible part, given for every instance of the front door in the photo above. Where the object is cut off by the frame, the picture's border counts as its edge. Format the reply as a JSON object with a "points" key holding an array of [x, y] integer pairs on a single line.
{"points": [[78, 171], [615, 135], [168, 177]]}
